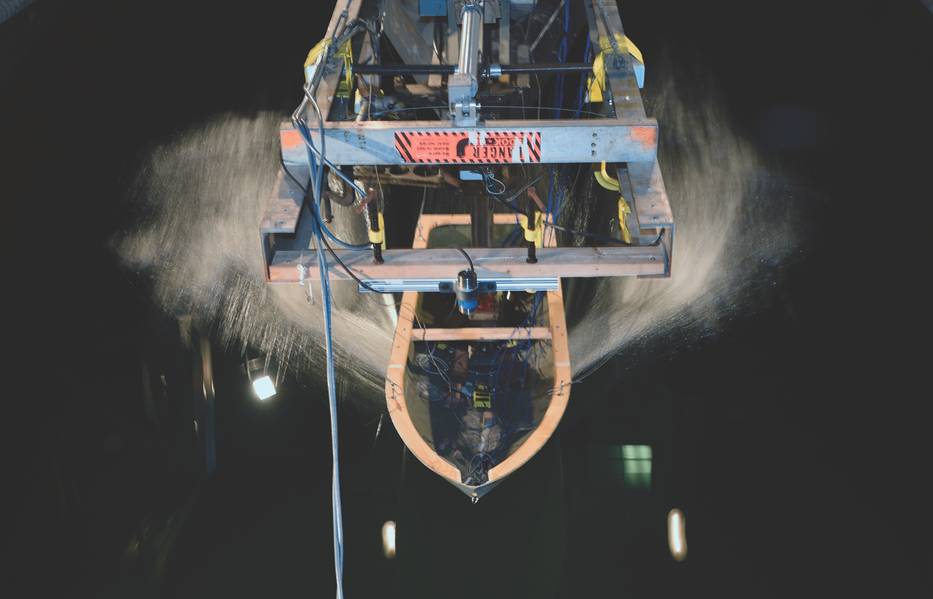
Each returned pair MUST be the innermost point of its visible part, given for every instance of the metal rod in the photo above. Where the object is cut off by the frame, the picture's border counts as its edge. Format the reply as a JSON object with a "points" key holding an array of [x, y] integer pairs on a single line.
{"points": [[448, 69], [546, 67], [481, 221]]}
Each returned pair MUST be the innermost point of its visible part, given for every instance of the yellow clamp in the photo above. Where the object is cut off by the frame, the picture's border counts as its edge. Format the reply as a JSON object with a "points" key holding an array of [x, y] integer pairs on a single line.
{"points": [[535, 235], [607, 182], [378, 236], [316, 54], [597, 81], [624, 211]]}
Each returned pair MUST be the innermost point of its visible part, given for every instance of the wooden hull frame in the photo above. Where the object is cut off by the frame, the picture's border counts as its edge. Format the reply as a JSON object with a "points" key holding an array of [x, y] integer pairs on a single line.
{"points": [[406, 333]]}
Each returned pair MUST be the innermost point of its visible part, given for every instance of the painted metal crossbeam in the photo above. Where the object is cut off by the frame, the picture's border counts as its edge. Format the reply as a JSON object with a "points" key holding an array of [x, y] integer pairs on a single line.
{"points": [[380, 143]]}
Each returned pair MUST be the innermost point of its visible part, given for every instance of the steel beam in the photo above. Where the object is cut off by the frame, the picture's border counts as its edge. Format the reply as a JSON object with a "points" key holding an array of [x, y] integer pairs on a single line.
{"points": [[482, 334], [490, 263], [590, 140], [447, 285]]}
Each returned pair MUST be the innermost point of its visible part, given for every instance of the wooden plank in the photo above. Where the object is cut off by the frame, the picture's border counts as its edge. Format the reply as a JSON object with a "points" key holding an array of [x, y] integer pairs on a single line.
{"points": [[353, 9], [412, 38], [505, 41], [481, 334], [453, 34], [627, 102], [330, 81], [560, 395], [395, 373], [405, 333], [429, 222], [489, 263]]}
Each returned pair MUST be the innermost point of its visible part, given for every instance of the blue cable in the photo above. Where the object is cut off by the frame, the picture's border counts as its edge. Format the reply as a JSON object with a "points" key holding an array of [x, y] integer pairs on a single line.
{"points": [[580, 91], [558, 206], [317, 225], [562, 51], [315, 204], [332, 403]]}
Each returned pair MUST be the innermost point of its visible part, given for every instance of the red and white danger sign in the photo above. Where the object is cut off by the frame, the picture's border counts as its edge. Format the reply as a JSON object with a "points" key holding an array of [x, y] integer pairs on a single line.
{"points": [[468, 147]]}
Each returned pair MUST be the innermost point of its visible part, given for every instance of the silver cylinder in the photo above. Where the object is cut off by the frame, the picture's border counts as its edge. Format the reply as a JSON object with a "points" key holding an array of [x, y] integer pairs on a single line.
{"points": [[471, 39]]}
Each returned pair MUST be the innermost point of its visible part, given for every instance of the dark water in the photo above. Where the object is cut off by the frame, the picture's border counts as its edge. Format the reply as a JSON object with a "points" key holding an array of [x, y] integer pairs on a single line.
{"points": [[776, 382]]}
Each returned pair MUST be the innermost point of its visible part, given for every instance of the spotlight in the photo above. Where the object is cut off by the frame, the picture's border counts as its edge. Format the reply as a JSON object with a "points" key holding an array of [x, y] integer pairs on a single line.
{"points": [[388, 539], [263, 385]]}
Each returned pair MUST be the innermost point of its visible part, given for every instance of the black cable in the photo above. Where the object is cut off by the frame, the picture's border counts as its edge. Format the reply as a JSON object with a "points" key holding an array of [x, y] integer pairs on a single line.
{"points": [[467, 256], [585, 234], [346, 269]]}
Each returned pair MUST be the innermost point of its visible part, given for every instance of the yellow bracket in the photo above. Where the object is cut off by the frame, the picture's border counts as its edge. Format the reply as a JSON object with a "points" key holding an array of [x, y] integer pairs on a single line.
{"points": [[315, 53], [605, 180], [535, 235], [482, 398]]}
